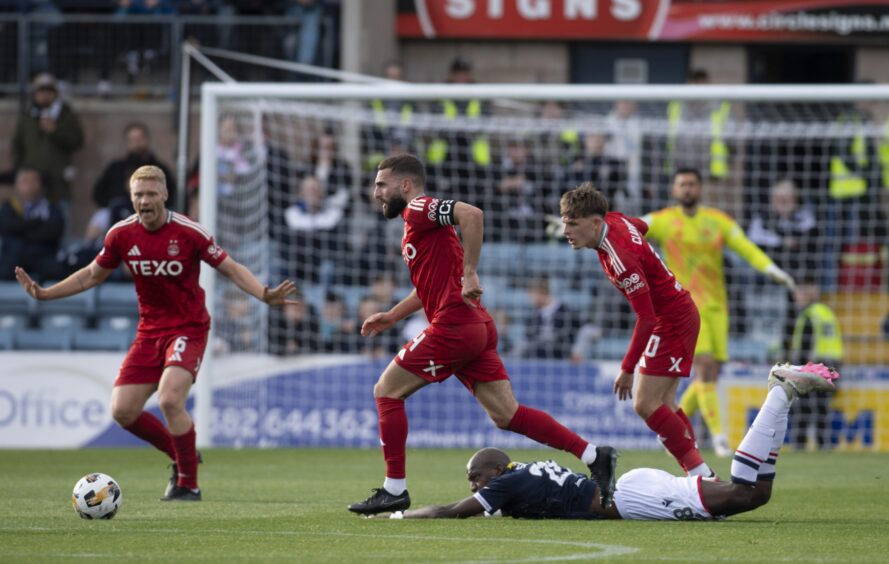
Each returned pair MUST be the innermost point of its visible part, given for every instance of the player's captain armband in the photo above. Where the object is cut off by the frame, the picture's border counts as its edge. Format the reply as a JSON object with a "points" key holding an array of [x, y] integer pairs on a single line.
{"points": [[442, 211]]}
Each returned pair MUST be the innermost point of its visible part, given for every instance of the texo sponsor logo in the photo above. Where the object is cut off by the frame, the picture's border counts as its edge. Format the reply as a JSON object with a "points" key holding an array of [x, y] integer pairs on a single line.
{"points": [[155, 267]]}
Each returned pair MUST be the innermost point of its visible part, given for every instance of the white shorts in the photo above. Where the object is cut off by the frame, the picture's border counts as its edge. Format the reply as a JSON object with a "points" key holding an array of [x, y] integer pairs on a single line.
{"points": [[649, 494]]}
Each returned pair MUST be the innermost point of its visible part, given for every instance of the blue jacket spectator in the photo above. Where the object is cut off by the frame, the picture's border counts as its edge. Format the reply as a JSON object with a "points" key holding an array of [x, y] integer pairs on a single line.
{"points": [[31, 228]]}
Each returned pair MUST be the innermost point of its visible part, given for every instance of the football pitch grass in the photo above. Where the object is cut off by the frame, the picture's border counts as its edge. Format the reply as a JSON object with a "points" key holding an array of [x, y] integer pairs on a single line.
{"points": [[290, 504]]}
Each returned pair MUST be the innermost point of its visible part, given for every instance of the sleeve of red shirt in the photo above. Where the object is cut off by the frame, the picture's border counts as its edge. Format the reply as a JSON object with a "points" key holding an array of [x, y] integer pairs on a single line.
{"points": [[108, 257], [640, 224], [645, 321], [211, 253]]}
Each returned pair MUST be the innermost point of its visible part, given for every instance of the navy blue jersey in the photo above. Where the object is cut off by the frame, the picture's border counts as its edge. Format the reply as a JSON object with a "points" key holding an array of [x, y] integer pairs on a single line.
{"points": [[539, 490]]}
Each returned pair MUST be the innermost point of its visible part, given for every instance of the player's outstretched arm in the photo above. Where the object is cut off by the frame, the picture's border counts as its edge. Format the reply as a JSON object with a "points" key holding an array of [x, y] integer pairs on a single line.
{"points": [[379, 322], [469, 507], [241, 276], [87, 277], [472, 228]]}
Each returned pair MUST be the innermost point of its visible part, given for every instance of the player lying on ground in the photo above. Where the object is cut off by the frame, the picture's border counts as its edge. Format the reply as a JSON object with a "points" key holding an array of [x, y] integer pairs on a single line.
{"points": [[461, 338], [163, 250], [546, 490]]}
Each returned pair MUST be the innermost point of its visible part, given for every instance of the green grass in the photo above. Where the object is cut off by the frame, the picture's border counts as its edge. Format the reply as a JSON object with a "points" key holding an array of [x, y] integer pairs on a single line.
{"points": [[268, 505]]}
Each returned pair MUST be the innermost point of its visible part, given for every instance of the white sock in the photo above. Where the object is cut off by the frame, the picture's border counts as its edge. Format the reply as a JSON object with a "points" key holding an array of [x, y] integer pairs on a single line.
{"points": [[395, 486], [589, 454], [754, 449], [701, 470], [767, 470]]}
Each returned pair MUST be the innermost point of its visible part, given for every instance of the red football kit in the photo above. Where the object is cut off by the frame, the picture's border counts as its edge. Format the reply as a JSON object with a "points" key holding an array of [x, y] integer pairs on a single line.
{"points": [[460, 339], [667, 321], [173, 320]]}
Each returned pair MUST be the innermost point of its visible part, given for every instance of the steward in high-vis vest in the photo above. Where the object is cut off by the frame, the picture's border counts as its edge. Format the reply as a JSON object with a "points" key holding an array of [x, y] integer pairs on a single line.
{"points": [[718, 149], [459, 147], [883, 155], [692, 148], [849, 161], [816, 338], [391, 121]]}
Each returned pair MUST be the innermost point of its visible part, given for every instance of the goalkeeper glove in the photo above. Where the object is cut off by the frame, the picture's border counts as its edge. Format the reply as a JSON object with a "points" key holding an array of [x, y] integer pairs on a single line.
{"points": [[781, 277], [554, 227]]}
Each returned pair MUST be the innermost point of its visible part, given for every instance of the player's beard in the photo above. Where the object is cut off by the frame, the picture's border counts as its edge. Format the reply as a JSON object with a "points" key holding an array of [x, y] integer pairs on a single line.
{"points": [[689, 201], [394, 206]]}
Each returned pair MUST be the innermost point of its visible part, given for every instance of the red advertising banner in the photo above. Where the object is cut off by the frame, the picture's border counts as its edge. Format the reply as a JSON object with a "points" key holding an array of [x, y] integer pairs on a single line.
{"points": [[652, 20]]}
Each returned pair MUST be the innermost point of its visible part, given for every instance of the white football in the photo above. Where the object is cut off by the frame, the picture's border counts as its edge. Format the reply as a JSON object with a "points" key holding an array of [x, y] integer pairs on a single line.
{"points": [[96, 496]]}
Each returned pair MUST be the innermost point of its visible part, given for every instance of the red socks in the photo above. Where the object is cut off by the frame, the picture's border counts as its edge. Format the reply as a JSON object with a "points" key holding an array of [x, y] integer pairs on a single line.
{"points": [[691, 430], [149, 428], [186, 459], [393, 435], [541, 427], [675, 435]]}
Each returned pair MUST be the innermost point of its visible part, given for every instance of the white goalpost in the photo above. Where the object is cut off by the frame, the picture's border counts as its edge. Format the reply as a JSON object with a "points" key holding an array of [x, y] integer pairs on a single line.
{"points": [[285, 175]]}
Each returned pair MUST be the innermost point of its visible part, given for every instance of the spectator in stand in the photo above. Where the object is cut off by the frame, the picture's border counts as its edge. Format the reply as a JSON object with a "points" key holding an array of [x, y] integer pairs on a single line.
{"points": [[293, 329], [31, 229], [313, 236], [338, 331], [142, 50], [237, 330], [787, 232], [231, 156], [382, 289], [625, 145], [302, 47], [607, 174], [46, 137], [521, 197], [325, 164], [384, 344], [111, 191], [553, 327], [280, 181]]}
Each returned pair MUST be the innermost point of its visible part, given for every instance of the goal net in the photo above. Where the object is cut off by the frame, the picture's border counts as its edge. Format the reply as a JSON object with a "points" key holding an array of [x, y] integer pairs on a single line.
{"points": [[286, 179]]}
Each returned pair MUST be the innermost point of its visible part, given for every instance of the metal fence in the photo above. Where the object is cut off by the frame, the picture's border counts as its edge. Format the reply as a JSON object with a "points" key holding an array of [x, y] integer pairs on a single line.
{"points": [[111, 55]]}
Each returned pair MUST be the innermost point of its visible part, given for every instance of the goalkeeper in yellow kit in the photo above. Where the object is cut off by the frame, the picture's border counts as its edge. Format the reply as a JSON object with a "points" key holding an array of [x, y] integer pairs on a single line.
{"points": [[692, 238]]}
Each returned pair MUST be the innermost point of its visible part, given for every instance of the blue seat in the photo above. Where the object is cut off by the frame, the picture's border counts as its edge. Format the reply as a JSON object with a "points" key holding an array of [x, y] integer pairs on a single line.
{"points": [[14, 300], [62, 321], [610, 348], [116, 299], [351, 295], [10, 324], [49, 339], [7, 339], [102, 339], [126, 325], [81, 304], [12, 321], [549, 259], [501, 259]]}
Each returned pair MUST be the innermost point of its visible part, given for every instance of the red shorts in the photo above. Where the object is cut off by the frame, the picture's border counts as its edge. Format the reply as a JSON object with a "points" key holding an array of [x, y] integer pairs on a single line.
{"points": [[149, 355], [469, 351], [671, 348]]}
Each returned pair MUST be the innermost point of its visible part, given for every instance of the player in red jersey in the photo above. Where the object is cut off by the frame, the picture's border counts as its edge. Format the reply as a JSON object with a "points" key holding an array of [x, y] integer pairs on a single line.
{"points": [[667, 320], [461, 338], [163, 250]]}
